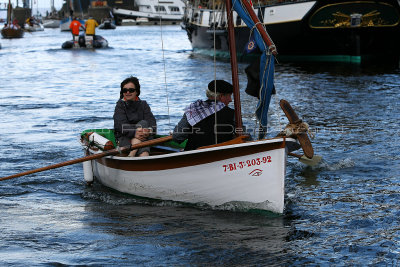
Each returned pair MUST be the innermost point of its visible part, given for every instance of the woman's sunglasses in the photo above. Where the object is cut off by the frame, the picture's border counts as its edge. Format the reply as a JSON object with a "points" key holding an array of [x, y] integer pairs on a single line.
{"points": [[130, 90]]}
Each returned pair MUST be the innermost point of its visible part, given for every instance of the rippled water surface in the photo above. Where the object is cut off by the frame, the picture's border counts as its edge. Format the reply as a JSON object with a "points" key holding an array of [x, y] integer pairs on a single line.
{"points": [[343, 212]]}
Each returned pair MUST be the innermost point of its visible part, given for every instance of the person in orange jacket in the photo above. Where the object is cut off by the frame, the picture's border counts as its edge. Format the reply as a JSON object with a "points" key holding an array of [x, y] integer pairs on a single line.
{"points": [[75, 26]]}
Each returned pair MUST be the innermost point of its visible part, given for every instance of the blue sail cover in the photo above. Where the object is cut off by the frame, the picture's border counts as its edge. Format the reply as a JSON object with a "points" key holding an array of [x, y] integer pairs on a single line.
{"points": [[267, 65]]}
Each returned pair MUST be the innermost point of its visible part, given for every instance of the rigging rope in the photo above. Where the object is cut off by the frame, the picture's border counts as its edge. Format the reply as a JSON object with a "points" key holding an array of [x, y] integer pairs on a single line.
{"points": [[293, 129], [215, 72], [164, 66]]}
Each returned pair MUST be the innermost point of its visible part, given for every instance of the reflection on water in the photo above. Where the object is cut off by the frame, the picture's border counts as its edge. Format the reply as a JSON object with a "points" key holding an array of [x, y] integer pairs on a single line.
{"points": [[341, 212]]}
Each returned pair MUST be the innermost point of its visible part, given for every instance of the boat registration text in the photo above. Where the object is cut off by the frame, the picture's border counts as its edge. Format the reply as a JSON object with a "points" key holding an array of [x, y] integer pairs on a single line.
{"points": [[248, 163]]}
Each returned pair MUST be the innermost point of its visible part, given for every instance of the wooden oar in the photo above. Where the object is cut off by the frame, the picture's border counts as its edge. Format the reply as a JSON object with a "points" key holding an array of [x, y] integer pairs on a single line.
{"points": [[94, 156], [303, 159]]}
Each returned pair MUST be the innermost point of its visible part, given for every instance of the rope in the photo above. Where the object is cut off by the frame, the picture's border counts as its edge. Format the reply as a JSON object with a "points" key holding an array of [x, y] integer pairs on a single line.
{"points": [[165, 71], [293, 129], [215, 73]]}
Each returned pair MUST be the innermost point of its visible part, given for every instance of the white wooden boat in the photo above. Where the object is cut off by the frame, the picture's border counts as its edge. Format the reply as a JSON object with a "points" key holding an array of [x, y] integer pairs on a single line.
{"points": [[242, 176]]}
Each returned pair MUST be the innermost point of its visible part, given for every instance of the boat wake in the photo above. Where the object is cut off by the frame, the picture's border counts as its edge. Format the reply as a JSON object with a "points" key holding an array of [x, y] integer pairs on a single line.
{"points": [[342, 164], [323, 165], [100, 193]]}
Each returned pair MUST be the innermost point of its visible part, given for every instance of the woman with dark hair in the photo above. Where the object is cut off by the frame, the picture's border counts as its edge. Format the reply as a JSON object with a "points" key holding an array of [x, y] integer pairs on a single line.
{"points": [[133, 120]]}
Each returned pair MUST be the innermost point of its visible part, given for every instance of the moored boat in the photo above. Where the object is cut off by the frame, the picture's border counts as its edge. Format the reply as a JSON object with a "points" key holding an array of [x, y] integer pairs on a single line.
{"points": [[53, 19], [11, 29], [9, 32], [340, 30], [34, 27], [151, 9], [51, 23], [107, 24]]}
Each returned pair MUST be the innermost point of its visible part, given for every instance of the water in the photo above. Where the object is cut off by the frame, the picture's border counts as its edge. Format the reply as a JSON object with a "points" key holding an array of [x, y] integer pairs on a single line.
{"points": [[342, 212]]}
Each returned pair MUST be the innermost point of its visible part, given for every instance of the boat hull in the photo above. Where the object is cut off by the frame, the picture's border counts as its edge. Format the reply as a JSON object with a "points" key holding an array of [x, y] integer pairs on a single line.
{"points": [[98, 42], [51, 23], [9, 33], [312, 31], [240, 177], [34, 27], [107, 25]]}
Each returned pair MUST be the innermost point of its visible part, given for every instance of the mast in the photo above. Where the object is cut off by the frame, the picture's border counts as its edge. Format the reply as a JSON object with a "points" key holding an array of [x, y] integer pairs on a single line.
{"points": [[234, 67], [9, 10]]}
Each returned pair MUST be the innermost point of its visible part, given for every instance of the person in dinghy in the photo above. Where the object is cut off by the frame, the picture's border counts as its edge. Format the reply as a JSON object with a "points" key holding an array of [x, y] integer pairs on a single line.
{"points": [[133, 120], [199, 124]]}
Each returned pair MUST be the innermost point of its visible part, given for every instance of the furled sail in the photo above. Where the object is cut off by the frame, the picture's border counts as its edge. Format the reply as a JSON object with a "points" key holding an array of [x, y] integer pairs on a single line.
{"points": [[267, 62]]}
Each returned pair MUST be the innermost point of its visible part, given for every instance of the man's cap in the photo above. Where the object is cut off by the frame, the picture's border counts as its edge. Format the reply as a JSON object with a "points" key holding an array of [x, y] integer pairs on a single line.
{"points": [[223, 87]]}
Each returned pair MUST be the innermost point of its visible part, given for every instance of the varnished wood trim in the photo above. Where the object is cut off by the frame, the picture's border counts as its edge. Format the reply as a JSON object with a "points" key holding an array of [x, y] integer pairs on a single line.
{"points": [[182, 159]]}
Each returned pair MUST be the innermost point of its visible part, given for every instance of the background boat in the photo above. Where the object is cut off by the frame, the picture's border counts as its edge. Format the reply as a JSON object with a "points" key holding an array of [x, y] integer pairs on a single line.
{"points": [[34, 27], [51, 23], [9, 33], [350, 31], [12, 29], [107, 24], [151, 9], [52, 19], [64, 24]]}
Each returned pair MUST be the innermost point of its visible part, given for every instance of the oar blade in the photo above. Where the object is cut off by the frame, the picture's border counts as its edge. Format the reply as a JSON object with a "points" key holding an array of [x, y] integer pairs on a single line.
{"points": [[306, 145], [310, 161]]}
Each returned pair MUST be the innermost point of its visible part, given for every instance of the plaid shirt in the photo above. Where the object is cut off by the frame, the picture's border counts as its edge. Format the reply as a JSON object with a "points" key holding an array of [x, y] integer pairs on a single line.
{"points": [[200, 110]]}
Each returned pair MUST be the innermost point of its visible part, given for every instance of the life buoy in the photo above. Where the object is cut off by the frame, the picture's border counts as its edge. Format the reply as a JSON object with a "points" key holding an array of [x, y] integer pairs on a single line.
{"points": [[99, 141]]}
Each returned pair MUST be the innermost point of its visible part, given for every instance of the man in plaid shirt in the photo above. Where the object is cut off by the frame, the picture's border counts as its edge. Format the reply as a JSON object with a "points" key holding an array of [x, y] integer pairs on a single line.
{"points": [[200, 125]]}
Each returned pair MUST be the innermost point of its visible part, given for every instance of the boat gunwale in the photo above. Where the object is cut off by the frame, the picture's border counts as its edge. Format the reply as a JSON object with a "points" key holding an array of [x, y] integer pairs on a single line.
{"points": [[193, 158], [197, 151]]}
